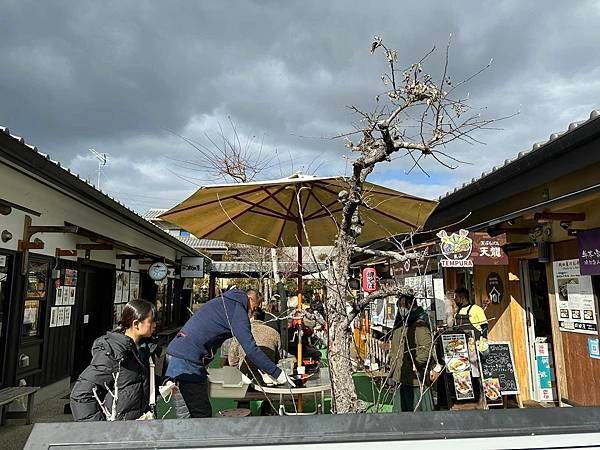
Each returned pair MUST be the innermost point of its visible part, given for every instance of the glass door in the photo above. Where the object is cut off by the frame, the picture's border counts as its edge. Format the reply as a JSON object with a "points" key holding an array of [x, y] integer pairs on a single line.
{"points": [[538, 331]]}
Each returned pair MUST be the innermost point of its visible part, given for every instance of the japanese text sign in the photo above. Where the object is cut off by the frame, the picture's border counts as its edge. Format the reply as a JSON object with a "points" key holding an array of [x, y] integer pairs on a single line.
{"points": [[589, 251], [369, 280]]}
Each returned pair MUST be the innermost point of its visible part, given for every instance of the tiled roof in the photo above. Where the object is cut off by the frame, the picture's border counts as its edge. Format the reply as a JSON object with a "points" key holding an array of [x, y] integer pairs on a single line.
{"points": [[153, 213], [253, 267], [68, 173], [538, 146]]}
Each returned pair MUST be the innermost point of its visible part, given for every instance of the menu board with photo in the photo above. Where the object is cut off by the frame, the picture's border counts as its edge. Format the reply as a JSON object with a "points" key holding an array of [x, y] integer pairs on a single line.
{"points": [[134, 286], [53, 317], [67, 315], [497, 363], [70, 277], [59, 296], [60, 317], [119, 287], [456, 359], [574, 298]]}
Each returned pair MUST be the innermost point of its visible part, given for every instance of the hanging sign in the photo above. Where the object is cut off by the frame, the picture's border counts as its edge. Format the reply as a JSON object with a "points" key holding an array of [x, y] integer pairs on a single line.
{"points": [[589, 251], [494, 288], [456, 249], [488, 251], [369, 279], [574, 298], [192, 267]]}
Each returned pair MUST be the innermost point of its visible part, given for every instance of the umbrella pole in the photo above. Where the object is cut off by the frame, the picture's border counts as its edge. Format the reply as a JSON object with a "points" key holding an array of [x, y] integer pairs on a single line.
{"points": [[300, 251]]}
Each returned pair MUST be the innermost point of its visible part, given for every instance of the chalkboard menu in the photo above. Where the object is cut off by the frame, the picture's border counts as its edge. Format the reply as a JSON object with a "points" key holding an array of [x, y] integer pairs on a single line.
{"points": [[498, 369]]}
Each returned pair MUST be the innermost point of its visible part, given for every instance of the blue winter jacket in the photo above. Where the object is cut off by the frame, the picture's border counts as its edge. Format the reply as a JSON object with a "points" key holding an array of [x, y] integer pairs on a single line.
{"points": [[219, 319]]}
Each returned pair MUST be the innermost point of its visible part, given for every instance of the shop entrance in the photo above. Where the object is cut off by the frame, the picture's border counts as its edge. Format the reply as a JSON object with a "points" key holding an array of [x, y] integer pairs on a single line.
{"points": [[5, 284], [95, 297], [538, 331]]}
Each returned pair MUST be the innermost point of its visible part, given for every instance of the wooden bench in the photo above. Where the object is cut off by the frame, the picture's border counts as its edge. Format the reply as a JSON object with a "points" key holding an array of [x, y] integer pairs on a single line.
{"points": [[9, 395]]}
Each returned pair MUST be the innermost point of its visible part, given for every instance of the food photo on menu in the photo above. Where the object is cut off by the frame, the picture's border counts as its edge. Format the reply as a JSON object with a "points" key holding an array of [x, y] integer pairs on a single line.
{"points": [[463, 385], [491, 388]]}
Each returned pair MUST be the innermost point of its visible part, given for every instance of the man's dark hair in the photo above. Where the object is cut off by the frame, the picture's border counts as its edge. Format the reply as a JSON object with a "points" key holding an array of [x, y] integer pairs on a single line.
{"points": [[463, 293], [259, 314]]}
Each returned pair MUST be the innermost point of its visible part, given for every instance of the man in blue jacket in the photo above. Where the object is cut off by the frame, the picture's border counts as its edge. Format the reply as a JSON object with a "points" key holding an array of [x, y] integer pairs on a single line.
{"points": [[195, 346]]}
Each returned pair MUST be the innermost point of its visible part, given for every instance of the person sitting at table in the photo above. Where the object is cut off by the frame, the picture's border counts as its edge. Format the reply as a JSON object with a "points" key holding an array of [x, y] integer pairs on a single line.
{"points": [[267, 339]]}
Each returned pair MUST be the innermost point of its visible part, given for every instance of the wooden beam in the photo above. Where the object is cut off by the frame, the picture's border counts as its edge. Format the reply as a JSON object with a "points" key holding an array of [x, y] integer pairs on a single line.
{"points": [[123, 256], [563, 217], [52, 229], [94, 246], [60, 252], [23, 246]]}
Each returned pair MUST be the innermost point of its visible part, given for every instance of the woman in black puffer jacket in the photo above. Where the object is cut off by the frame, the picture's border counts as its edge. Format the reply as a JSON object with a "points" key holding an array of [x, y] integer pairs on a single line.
{"points": [[121, 351]]}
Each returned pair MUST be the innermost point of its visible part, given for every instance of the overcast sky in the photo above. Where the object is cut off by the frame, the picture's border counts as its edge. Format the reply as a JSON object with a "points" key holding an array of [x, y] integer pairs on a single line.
{"points": [[121, 77]]}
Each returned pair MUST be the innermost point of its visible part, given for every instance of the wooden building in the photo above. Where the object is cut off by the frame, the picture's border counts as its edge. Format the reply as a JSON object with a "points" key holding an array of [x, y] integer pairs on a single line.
{"points": [[538, 295], [70, 258]]}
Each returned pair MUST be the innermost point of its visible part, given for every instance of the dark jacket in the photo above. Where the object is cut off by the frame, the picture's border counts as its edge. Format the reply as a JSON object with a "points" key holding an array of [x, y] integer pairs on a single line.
{"points": [[411, 352], [219, 319], [112, 353]]}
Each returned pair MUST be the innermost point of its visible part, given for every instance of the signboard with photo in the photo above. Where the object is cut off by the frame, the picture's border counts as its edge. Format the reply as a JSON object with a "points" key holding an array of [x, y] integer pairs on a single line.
{"points": [[134, 286], [70, 277], [456, 359], [59, 296], [497, 363], [574, 298]]}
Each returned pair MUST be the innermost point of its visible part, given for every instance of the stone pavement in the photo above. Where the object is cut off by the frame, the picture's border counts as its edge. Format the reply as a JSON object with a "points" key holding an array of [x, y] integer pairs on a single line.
{"points": [[15, 433]]}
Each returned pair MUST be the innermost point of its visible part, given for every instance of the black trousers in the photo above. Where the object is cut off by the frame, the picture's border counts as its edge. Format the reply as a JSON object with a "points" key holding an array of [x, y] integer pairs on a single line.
{"points": [[196, 398]]}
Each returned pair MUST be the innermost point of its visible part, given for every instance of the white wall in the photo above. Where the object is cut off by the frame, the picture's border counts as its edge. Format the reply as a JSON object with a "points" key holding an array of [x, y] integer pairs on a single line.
{"points": [[56, 208]]}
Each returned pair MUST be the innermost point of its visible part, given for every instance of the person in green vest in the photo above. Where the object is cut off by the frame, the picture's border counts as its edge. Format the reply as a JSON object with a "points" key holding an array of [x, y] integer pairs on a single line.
{"points": [[412, 357]]}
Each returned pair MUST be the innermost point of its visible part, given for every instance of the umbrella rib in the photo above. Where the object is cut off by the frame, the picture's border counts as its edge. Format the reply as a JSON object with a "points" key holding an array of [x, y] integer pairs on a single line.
{"points": [[268, 211], [284, 222], [325, 214], [236, 216], [274, 198], [379, 211], [314, 215], [397, 219], [168, 213]]}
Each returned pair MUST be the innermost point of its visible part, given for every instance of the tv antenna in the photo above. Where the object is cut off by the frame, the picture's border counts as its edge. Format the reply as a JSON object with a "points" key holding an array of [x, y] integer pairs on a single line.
{"points": [[102, 161]]}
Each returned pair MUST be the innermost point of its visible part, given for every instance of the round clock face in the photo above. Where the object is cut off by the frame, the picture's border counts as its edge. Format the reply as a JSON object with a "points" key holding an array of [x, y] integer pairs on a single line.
{"points": [[158, 271]]}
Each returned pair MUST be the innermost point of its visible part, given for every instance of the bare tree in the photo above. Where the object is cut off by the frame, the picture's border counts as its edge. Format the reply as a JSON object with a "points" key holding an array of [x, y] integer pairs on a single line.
{"points": [[225, 157], [417, 117]]}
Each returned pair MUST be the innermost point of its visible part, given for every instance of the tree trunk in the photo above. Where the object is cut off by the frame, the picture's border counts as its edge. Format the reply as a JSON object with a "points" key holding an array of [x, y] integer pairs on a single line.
{"points": [[344, 399]]}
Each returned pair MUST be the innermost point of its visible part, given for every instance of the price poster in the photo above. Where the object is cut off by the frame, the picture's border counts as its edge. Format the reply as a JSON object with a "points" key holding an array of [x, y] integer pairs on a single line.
{"points": [[574, 298]]}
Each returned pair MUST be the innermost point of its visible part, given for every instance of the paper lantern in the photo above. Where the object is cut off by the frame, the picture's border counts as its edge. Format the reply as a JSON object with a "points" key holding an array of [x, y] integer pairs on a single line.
{"points": [[369, 279]]}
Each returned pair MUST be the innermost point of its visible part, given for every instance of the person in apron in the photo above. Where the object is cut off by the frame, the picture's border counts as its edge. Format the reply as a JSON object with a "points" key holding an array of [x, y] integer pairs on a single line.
{"points": [[471, 318]]}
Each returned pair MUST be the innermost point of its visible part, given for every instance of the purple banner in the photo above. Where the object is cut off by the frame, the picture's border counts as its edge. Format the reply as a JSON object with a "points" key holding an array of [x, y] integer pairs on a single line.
{"points": [[589, 251]]}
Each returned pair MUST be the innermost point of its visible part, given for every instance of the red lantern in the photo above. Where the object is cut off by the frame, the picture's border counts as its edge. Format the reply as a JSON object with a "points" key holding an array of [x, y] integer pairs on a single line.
{"points": [[369, 279]]}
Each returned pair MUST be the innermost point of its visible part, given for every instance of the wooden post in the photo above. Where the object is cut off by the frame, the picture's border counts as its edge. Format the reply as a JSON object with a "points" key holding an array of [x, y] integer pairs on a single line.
{"points": [[212, 280]]}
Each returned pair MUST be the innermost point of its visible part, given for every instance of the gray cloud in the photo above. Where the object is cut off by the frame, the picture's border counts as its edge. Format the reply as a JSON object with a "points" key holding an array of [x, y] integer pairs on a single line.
{"points": [[116, 76]]}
